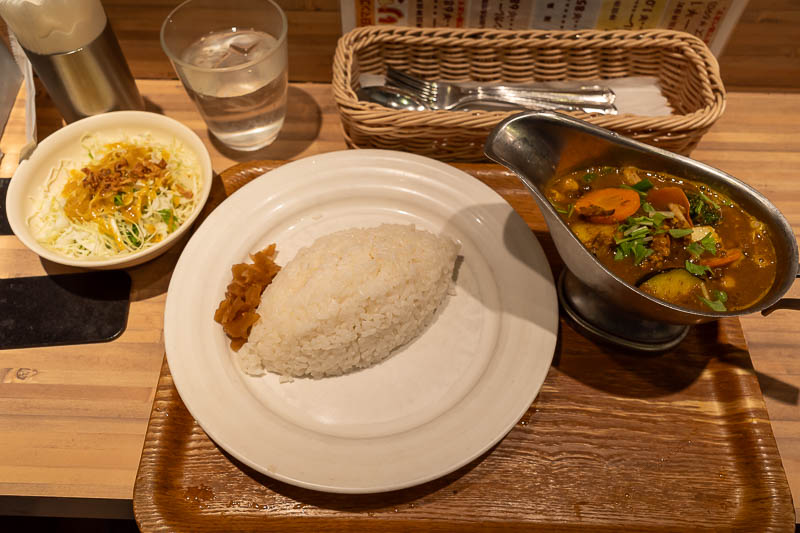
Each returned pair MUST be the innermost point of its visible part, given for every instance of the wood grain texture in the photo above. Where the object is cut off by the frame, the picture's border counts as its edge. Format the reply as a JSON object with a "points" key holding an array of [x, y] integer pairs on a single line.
{"points": [[757, 139], [755, 142], [762, 52], [72, 417], [314, 28], [613, 442]]}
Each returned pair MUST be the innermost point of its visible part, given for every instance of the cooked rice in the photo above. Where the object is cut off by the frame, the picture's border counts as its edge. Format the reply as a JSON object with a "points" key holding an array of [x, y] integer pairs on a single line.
{"points": [[348, 300]]}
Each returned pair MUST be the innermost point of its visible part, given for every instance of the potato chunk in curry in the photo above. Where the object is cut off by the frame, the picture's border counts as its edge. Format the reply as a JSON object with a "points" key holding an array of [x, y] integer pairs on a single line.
{"points": [[675, 286]]}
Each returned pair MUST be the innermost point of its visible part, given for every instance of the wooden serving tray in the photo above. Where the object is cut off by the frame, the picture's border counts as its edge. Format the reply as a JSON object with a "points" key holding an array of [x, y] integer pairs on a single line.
{"points": [[615, 441]]}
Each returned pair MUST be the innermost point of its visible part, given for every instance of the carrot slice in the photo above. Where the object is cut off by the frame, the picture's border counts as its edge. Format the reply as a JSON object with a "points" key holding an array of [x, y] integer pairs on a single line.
{"points": [[608, 206], [716, 262], [661, 198]]}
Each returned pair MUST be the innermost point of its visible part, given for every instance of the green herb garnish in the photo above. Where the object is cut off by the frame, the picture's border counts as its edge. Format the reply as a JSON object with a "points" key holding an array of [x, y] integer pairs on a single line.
{"points": [[642, 187], [708, 200], [169, 218], [640, 252], [636, 233], [118, 199], [658, 219], [718, 303], [133, 235], [708, 243], [695, 249], [625, 249], [589, 177], [647, 221], [702, 210], [678, 233], [695, 269], [630, 238]]}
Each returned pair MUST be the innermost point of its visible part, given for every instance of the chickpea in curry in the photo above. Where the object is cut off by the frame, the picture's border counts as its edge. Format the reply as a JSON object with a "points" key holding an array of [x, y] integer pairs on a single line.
{"points": [[675, 239]]}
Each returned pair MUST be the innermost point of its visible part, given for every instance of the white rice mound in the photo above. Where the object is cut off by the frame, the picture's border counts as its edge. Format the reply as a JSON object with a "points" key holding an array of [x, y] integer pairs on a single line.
{"points": [[348, 300]]}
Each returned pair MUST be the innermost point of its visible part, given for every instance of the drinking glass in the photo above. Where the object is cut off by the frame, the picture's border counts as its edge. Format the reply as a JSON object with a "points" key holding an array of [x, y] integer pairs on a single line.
{"points": [[232, 59]]}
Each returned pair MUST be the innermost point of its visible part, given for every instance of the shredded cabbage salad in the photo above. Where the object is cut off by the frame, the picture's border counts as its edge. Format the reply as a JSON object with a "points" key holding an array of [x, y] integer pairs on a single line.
{"points": [[124, 196]]}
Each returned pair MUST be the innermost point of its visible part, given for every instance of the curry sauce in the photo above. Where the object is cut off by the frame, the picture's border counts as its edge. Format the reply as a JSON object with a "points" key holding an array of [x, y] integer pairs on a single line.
{"points": [[676, 239]]}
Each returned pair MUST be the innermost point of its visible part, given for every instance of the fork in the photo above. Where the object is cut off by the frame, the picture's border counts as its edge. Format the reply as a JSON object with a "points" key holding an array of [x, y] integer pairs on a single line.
{"points": [[443, 95]]}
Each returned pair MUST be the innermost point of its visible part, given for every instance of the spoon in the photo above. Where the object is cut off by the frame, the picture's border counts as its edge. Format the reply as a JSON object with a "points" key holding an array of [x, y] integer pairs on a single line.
{"points": [[392, 98]]}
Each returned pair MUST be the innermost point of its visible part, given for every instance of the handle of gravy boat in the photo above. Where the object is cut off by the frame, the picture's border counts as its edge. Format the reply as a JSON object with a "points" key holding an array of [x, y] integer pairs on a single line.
{"points": [[784, 303]]}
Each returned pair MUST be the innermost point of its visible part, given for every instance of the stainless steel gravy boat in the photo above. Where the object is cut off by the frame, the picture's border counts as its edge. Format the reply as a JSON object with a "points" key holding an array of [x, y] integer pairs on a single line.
{"points": [[539, 145]]}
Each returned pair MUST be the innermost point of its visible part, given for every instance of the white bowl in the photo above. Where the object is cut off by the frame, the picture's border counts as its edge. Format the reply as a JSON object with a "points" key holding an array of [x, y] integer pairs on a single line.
{"points": [[65, 144]]}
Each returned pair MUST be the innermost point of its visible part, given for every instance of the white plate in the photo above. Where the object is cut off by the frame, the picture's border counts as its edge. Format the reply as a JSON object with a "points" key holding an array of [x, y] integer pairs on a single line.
{"points": [[430, 408]]}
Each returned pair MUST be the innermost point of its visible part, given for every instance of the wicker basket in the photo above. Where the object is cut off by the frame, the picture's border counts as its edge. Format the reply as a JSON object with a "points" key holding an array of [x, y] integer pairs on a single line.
{"points": [[686, 69]]}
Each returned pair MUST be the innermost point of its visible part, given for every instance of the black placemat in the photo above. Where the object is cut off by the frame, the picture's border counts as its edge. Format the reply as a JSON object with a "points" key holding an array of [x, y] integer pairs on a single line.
{"points": [[63, 309], [5, 229]]}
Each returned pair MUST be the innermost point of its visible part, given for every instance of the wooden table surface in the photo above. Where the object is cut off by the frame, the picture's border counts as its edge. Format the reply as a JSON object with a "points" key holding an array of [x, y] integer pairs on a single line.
{"points": [[704, 391], [74, 428]]}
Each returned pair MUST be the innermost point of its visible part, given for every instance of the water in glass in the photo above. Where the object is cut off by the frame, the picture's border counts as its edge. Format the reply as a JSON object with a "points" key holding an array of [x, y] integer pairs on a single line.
{"points": [[239, 85]]}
